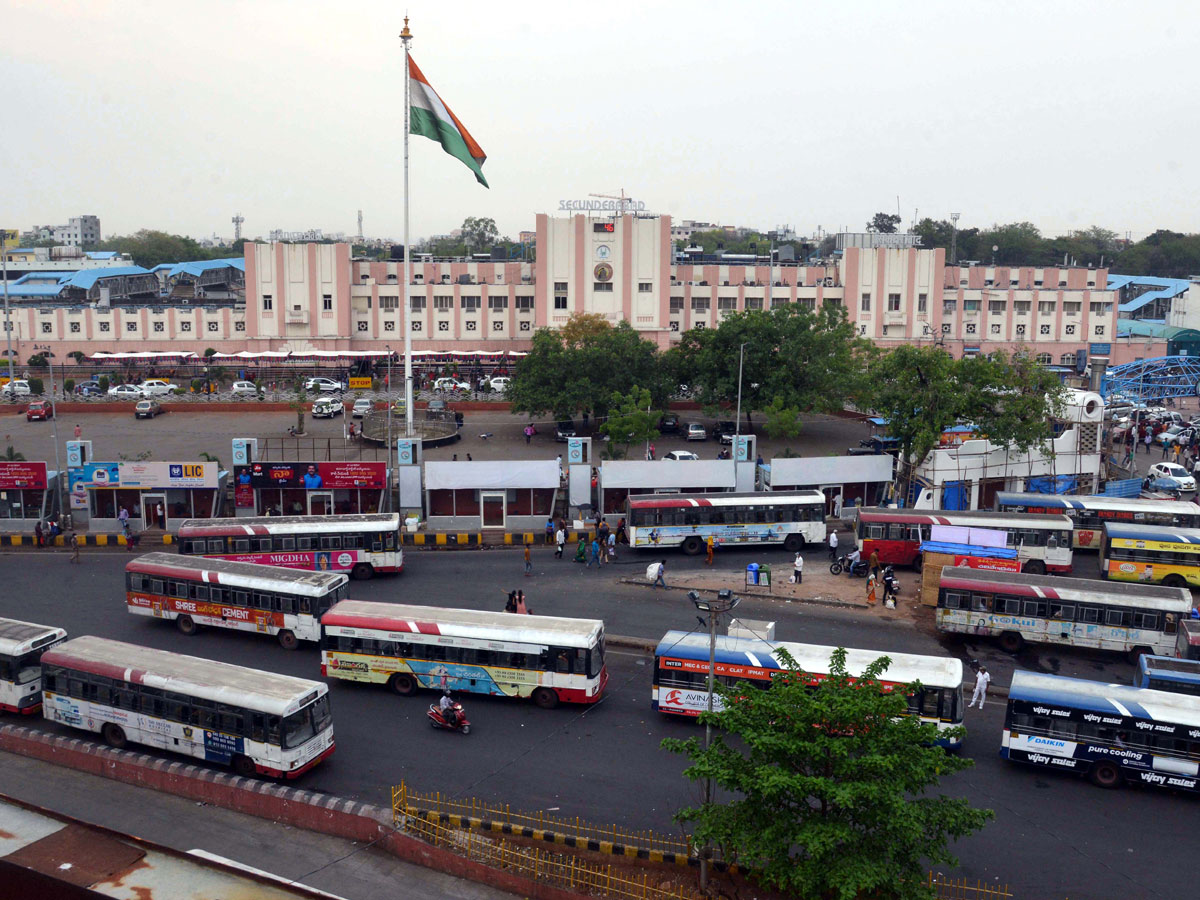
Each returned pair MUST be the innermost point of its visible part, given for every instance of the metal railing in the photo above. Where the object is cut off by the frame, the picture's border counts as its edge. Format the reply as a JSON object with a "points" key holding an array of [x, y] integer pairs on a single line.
{"points": [[962, 889]]}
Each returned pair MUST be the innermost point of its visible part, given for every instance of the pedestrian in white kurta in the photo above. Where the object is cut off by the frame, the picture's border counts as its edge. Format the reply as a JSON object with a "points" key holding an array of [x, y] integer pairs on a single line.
{"points": [[982, 680]]}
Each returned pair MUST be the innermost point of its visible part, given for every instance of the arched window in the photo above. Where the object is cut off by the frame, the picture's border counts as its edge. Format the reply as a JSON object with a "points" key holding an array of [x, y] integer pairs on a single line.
{"points": [[1067, 359], [1044, 359]]}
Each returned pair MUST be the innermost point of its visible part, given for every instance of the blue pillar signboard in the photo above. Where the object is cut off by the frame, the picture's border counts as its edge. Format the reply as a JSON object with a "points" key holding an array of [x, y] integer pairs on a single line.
{"points": [[575, 450]]}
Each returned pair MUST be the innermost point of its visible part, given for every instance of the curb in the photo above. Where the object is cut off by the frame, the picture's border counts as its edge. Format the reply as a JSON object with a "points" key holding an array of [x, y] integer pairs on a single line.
{"points": [[85, 540], [322, 813], [628, 642]]}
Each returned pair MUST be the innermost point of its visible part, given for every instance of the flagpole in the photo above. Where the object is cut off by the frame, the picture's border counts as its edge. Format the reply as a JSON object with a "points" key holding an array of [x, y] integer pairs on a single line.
{"points": [[405, 37]]}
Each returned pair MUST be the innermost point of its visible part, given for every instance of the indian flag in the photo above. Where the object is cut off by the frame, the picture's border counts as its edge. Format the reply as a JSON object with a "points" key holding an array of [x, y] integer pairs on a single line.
{"points": [[432, 118]]}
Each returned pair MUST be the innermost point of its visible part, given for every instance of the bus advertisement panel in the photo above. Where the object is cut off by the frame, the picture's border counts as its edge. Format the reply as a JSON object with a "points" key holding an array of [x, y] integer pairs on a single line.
{"points": [[1150, 554]]}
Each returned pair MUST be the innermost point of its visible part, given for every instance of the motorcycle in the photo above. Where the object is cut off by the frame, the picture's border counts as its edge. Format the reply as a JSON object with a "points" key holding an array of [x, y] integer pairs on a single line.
{"points": [[843, 564], [437, 720]]}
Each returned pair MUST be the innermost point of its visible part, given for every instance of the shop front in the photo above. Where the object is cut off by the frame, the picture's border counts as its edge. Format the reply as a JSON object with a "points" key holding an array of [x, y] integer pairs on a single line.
{"points": [[310, 488], [154, 495], [514, 495], [26, 495]]}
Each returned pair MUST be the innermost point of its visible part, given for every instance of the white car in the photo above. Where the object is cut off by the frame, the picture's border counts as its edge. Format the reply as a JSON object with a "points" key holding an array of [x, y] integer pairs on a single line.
{"points": [[327, 408], [125, 392], [362, 406], [244, 389], [15, 388], [1175, 434], [1173, 470], [681, 456], [500, 383], [450, 384], [323, 384], [155, 387]]}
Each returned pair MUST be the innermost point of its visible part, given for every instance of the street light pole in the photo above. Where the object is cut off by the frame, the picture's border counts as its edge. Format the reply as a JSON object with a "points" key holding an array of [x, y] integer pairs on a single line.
{"points": [[389, 415], [53, 425], [7, 319], [737, 424]]}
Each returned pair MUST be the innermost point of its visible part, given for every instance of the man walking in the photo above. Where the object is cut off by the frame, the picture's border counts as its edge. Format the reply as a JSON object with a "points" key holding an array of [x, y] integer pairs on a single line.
{"points": [[560, 542], [659, 578], [873, 564], [798, 568], [833, 544], [982, 680], [74, 547], [528, 561], [594, 555]]}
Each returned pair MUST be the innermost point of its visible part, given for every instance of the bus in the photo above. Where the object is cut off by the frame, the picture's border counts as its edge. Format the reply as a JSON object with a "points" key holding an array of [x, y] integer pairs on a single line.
{"points": [[257, 722], [791, 519], [1128, 618], [1089, 514], [1043, 543], [359, 544], [679, 682], [545, 658], [1187, 642], [1148, 554], [21, 647], [194, 591], [1112, 733], [1166, 673]]}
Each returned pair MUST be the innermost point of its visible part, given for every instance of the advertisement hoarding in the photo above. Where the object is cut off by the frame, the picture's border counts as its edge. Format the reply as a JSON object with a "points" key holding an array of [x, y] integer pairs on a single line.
{"points": [[24, 475]]}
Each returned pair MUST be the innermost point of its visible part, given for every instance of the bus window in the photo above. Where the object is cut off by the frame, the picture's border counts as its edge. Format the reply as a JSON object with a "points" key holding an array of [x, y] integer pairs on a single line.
{"points": [[1147, 621], [263, 545], [954, 600], [1089, 615], [198, 591], [331, 542], [305, 542], [215, 545], [287, 543], [241, 545], [981, 603], [1062, 611], [1169, 625], [157, 586], [179, 589], [1035, 609], [1118, 617], [305, 606]]}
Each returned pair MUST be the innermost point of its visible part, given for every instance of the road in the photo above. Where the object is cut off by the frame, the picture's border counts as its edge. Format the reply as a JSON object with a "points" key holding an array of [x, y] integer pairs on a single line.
{"points": [[1054, 836]]}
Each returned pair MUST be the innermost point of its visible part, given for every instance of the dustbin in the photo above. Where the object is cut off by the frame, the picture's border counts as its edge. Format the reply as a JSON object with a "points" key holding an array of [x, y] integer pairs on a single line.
{"points": [[764, 576], [752, 573]]}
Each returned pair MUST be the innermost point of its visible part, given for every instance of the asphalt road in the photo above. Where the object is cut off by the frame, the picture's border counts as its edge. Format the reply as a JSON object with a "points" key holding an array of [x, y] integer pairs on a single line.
{"points": [[1054, 836]]}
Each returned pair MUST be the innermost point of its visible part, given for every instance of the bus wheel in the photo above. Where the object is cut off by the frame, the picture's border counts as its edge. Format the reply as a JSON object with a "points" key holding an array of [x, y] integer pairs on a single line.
{"points": [[244, 766], [362, 571], [114, 736], [1034, 567], [545, 698], [1106, 775], [186, 625], [1011, 641], [794, 543], [287, 639], [1136, 654], [693, 545], [1174, 580], [403, 684]]}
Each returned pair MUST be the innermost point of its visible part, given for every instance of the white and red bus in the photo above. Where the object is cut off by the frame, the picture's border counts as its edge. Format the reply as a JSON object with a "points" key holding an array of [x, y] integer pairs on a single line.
{"points": [[257, 722], [359, 544], [21, 647], [1042, 543], [1091, 513], [791, 519], [193, 591], [546, 658]]}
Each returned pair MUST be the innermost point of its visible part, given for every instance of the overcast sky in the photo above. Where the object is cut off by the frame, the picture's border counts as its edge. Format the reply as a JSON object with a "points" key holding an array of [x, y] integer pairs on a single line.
{"points": [[177, 115]]}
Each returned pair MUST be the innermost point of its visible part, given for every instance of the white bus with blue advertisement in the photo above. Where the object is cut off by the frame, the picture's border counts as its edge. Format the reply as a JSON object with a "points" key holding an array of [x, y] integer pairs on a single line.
{"points": [[1112, 733]]}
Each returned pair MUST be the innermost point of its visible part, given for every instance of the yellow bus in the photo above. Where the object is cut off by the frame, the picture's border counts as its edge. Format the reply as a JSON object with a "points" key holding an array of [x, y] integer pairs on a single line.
{"points": [[1151, 554]]}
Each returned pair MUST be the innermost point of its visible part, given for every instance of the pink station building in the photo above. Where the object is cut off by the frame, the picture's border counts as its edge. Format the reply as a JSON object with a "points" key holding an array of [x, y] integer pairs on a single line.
{"points": [[306, 297]]}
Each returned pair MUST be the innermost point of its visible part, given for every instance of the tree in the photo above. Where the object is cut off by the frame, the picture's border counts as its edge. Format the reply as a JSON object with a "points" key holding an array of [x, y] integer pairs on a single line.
{"points": [[810, 360], [782, 421], [845, 776], [148, 248], [632, 419], [883, 223], [12, 455], [479, 233]]}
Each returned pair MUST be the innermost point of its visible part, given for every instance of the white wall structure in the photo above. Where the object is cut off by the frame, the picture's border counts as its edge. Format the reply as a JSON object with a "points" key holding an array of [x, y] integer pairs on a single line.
{"points": [[985, 468]]}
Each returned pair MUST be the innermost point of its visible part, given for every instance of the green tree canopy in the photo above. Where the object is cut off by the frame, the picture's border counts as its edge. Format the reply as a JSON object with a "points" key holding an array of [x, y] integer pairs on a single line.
{"points": [[632, 419], [846, 778], [479, 233], [884, 223], [809, 360], [149, 248], [579, 368]]}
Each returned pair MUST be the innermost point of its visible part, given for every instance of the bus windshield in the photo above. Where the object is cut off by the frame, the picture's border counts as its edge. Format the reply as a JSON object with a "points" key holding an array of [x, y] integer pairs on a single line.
{"points": [[28, 668], [596, 658], [305, 724]]}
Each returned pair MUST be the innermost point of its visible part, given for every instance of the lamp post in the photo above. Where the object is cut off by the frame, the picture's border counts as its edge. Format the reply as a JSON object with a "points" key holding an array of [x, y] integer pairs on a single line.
{"points": [[388, 347], [737, 424], [724, 603], [45, 348]]}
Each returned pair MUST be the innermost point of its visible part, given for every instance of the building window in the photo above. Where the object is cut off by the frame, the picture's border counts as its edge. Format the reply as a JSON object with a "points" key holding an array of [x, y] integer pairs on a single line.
{"points": [[1022, 307], [1070, 329], [1067, 359], [187, 326], [674, 326], [214, 326], [754, 303], [699, 304], [995, 329], [675, 304], [48, 328], [893, 303], [239, 326], [415, 304], [922, 303], [949, 307], [1098, 331], [469, 303], [1045, 307], [866, 303], [560, 286], [416, 325], [971, 306], [727, 303], [997, 306], [560, 302], [498, 325], [443, 325], [131, 326], [1044, 359], [1100, 309], [443, 302], [389, 325], [497, 303], [971, 328], [524, 304], [363, 326], [160, 326], [268, 303], [470, 323], [75, 328], [1072, 309], [1044, 330], [602, 287], [327, 302], [524, 326], [645, 287]]}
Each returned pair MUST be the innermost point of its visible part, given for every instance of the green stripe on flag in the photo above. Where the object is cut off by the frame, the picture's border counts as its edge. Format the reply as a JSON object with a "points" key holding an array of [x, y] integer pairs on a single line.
{"points": [[426, 124]]}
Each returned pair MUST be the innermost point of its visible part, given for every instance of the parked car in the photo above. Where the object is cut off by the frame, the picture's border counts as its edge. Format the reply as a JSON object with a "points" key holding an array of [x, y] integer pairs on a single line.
{"points": [[15, 388], [39, 409], [668, 424], [681, 455], [125, 392], [563, 429], [696, 432], [362, 406], [324, 385], [88, 389], [147, 409], [327, 407], [244, 389], [724, 431], [157, 387], [1172, 470], [451, 384], [500, 383]]}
